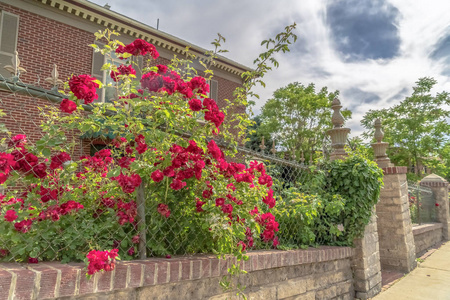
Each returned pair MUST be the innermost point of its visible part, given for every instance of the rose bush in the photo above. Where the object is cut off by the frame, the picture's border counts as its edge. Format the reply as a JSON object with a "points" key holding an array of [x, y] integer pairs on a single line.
{"points": [[60, 206]]}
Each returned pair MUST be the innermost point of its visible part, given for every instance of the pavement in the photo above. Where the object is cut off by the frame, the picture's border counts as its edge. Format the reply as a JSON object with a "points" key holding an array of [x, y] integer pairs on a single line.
{"points": [[429, 281]]}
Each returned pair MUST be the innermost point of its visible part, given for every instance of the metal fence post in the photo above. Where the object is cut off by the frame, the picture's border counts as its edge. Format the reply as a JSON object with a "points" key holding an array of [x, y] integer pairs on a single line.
{"points": [[140, 203]]}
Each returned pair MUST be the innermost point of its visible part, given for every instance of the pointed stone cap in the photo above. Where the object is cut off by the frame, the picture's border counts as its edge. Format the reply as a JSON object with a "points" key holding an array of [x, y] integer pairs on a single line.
{"points": [[337, 119], [434, 180], [379, 134]]}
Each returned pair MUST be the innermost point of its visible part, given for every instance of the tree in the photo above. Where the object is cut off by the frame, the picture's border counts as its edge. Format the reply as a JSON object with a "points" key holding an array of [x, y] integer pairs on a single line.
{"points": [[416, 128], [297, 118], [255, 136]]}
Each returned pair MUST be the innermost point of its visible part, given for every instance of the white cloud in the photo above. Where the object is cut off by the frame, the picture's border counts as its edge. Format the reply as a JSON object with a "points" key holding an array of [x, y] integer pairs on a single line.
{"points": [[246, 23]]}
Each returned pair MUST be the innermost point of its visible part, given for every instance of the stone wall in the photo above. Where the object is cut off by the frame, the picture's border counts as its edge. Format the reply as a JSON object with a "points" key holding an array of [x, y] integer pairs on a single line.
{"points": [[366, 262], [397, 251], [426, 236], [322, 273]]}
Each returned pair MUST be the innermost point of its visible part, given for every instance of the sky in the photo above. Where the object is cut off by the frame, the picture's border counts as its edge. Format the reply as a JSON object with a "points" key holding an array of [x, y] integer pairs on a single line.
{"points": [[372, 51]]}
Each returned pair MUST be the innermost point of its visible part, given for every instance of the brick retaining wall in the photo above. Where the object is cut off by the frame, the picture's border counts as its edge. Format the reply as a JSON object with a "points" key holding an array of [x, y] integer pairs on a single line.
{"points": [[426, 236], [322, 273]]}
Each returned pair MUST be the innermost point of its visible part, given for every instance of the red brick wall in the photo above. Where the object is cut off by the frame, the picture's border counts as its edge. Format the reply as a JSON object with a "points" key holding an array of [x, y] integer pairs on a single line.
{"points": [[43, 42]]}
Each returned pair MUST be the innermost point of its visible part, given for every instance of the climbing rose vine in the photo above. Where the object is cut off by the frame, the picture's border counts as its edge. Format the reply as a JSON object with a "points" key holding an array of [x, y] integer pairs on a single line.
{"points": [[160, 136]]}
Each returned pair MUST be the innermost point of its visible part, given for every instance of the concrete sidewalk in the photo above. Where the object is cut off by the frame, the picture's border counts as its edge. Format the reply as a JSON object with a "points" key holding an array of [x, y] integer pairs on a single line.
{"points": [[430, 280]]}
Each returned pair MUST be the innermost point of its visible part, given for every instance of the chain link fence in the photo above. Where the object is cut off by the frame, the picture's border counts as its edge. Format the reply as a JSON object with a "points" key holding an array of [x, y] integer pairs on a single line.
{"points": [[422, 204], [105, 217]]}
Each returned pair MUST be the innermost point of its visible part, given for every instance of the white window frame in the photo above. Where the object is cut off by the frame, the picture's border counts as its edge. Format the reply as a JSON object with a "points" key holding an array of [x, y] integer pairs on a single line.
{"points": [[210, 85], [10, 55]]}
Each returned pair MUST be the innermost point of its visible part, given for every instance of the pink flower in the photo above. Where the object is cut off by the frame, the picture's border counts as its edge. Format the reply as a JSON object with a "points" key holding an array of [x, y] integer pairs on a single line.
{"points": [[68, 106], [18, 141], [101, 261], [135, 239], [131, 251], [164, 210], [275, 242]]}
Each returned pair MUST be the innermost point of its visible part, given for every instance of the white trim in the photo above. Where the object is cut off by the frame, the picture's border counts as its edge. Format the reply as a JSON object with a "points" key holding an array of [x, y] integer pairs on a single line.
{"points": [[3, 12]]}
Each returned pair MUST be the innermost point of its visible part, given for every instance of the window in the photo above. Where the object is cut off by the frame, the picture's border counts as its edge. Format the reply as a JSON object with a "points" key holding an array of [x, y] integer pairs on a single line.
{"points": [[9, 29], [213, 89], [109, 92]]}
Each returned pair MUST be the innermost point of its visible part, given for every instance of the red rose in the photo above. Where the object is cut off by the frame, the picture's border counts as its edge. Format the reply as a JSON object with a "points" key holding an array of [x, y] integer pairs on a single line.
{"points": [[10, 215], [162, 69], [227, 208], [195, 104], [40, 170], [242, 244], [269, 200], [23, 226], [199, 205], [122, 70], [275, 242], [214, 150], [199, 83], [437, 204], [157, 176], [6, 162], [125, 162], [68, 106], [169, 85], [220, 201], [84, 88], [58, 160], [207, 193], [164, 210], [177, 184], [32, 260], [101, 260], [135, 239], [152, 81]]}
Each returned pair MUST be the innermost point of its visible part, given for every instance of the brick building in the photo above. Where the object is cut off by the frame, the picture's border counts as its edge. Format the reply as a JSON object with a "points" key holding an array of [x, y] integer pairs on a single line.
{"points": [[48, 32]]}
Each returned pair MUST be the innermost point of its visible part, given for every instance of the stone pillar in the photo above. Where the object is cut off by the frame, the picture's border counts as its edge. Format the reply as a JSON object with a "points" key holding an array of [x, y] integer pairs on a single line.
{"points": [[397, 249], [439, 186], [366, 262], [338, 134]]}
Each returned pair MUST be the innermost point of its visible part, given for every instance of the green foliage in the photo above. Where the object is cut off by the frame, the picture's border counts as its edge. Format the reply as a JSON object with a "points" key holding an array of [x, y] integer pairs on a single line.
{"points": [[297, 118], [416, 128], [334, 208], [255, 136]]}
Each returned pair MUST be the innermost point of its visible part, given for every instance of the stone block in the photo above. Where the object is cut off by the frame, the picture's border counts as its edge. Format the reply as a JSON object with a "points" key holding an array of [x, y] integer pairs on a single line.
{"points": [[264, 293], [292, 287], [327, 293]]}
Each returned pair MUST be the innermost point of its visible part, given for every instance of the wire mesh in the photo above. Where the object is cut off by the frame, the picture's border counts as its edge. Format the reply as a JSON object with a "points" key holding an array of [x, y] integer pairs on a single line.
{"points": [[422, 204]]}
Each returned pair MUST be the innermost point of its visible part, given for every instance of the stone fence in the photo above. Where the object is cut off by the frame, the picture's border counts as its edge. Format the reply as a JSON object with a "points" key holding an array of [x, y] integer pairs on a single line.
{"points": [[321, 273]]}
